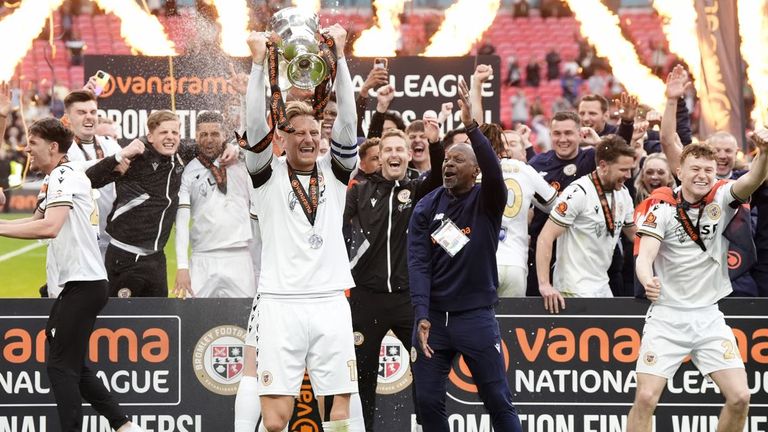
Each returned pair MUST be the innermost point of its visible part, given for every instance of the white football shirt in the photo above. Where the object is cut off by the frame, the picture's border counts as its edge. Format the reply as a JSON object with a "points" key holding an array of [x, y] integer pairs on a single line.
{"points": [[74, 254], [105, 198], [219, 221], [585, 250], [689, 276], [289, 266], [524, 186]]}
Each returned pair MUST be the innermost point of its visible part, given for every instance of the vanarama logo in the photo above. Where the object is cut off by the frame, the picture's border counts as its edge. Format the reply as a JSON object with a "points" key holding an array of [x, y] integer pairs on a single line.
{"points": [[218, 359], [194, 85], [394, 372]]}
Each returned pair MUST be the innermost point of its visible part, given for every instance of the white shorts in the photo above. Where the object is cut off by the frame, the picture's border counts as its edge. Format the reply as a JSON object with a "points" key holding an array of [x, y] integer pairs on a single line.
{"points": [[312, 334], [602, 292], [220, 274], [513, 281], [670, 334], [253, 324]]}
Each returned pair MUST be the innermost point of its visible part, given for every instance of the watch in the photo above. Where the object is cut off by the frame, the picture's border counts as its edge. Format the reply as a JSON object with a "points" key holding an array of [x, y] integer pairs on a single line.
{"points": [[472, 126]]}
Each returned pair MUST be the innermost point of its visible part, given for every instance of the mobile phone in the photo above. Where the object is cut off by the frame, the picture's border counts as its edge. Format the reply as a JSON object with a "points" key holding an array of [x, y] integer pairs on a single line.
{"points": [[380, 63], [15, 99], [102, 78]]}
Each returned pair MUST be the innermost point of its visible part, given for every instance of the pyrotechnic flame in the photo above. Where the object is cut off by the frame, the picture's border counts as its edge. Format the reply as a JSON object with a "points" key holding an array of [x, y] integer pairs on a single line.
{"points": [[601, 27], [381, 39], [19, 30], [753, 27], [680, 28], [233, 19], [313, 5], [465, 22], [140, 29]]}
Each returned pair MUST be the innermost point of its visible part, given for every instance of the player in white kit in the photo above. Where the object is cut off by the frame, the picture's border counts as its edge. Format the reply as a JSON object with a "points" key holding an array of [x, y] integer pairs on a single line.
{"points": [[524, 187], [301, 317], [683, 265], [217, 198], [587, 222], [66, 216]]}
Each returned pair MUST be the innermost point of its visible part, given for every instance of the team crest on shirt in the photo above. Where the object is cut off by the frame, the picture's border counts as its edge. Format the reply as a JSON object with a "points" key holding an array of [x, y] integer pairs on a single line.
{"points": [[599, 229], [359, 338], [562, 208], [713, 211], [218, 359], [393, 373], [650, 220], [569, 169]]}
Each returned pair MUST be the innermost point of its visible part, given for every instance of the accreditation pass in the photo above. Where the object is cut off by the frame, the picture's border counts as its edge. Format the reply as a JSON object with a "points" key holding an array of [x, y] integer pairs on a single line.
{"points": [[450, 237]]}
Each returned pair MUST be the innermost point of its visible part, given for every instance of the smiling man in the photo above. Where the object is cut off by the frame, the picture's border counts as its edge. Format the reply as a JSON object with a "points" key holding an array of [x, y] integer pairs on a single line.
{"points": [[683, 266], [380, 209], [65, 217], [144, 210], [217, 199], [452, 241], [587, 221]]}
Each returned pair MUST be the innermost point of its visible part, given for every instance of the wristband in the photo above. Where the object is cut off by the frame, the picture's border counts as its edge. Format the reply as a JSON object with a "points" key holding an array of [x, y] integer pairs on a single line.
{"points": [[472, 126]]}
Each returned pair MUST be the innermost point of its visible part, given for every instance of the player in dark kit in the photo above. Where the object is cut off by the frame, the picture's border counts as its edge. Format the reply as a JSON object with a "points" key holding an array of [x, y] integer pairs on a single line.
{"points": [[452, 240]]}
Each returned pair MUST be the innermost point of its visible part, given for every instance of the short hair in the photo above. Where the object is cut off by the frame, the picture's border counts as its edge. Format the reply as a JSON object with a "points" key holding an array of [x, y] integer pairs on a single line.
{"points": [[611, 147], [395, 118], [298, 109], [394, 133], [494, 133], [567, 115], [698, 150], [722, 136], [209, 117], [448, 138], [415, 126], [78, 96], [105, 120], [51, 129], [362, 150], [595, 97], [156, 118]]}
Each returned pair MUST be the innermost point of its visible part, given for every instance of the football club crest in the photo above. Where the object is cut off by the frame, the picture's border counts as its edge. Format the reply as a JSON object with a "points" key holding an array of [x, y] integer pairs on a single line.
{"points": [[218, 359], [569, 169], [394, 374], [713, 211]]}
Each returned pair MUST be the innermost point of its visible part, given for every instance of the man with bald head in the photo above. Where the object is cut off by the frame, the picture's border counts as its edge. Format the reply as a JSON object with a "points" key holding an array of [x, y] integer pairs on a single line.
{"points": [[452, 241]]}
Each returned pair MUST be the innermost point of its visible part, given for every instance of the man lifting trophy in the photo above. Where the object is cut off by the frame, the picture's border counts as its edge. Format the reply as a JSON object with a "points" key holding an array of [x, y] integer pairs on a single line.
{"points": [[301, 319]]}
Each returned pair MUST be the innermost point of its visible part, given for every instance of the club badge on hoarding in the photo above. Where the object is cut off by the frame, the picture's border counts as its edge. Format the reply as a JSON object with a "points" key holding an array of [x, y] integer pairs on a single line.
{"points": [[218, 359]]}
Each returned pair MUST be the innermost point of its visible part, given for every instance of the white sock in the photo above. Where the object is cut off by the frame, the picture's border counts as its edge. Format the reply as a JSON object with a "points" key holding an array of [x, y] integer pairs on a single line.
{"points": [[356, 420], [336, 426], [247, 405]]}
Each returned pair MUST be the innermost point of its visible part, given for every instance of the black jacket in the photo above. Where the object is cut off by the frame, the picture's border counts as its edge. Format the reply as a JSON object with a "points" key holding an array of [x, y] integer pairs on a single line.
{"points": [[379, 211], [147, 198]]}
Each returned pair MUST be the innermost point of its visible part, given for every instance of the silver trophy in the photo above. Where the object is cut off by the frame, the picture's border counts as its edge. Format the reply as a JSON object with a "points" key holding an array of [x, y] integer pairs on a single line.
{"points": [[300, 63]]}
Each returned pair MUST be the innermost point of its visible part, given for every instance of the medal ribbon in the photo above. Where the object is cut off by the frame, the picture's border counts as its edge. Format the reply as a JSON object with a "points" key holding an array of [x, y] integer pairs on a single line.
{"points": [[685, 221], [607, 210], [308, 202], [96, 147], [219, 174], [277, 106]]}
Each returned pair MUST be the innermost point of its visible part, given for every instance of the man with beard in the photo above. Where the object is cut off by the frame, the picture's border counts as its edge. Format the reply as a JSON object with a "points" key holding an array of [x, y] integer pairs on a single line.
{"points": [[144, 210], [379, 210], [452, 240], [587, 221], [683, 266], [65, 217], [217, 198]]}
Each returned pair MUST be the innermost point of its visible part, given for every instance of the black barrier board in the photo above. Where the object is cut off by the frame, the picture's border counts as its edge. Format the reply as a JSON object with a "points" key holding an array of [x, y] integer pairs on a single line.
{"points": [[174, 365], [139, 85]]}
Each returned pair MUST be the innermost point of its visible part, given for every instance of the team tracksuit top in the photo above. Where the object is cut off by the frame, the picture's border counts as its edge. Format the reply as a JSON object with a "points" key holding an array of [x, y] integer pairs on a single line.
{"points": [[469, 279]]}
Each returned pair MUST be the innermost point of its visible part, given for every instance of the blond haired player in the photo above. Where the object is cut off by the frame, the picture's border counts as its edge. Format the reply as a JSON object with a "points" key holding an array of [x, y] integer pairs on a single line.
{"points": [[682, 264], [301, 317]]}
